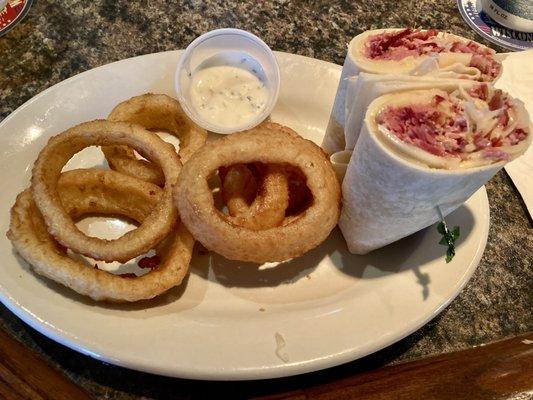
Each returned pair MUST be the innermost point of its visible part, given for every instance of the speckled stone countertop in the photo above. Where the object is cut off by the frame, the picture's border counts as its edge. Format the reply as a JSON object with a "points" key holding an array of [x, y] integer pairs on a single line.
{"points": [[59, 39]]}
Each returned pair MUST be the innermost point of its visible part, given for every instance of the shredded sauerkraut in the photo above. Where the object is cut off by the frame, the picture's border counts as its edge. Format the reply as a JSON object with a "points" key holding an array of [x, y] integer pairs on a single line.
{"points": [[397, 45], [479, 123]]}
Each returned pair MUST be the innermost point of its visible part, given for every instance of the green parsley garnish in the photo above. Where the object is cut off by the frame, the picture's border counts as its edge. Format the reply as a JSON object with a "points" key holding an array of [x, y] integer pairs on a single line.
{"points": [[448, 238]]}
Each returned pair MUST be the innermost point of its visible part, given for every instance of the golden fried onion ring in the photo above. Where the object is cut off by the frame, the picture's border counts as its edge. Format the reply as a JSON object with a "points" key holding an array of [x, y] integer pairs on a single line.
{"points": [[270, 208], [267, 209], [155, 112], [268, 144], [103, 192], [62, 147], [299, 195]]}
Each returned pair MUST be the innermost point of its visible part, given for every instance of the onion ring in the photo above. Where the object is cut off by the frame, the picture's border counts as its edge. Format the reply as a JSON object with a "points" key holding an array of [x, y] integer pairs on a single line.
{"points": [[267, 210], [103, 192], [154, 112], [299, 195], [62, 147], [268, 144], [238, 188]]}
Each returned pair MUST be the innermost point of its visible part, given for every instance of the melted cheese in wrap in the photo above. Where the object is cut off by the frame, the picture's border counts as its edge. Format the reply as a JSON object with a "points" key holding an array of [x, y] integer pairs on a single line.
{"points": [[463, 128], [410, 53], [418, 52]]}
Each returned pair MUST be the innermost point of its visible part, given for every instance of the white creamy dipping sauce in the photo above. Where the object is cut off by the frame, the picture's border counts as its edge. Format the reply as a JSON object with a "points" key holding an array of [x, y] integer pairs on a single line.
{"points": [[227, 95]]}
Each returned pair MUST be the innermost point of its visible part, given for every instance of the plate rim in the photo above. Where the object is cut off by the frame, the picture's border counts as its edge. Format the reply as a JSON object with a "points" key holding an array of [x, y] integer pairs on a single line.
{"points": [[281, 370]]}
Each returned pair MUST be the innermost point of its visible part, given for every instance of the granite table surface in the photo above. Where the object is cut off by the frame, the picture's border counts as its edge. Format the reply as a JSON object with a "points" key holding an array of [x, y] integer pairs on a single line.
{"points": [[61, 38]]}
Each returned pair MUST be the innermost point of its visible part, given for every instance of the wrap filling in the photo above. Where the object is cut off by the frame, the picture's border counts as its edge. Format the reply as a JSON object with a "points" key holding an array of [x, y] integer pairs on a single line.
{"points": [[397, 45], [481, 125]]}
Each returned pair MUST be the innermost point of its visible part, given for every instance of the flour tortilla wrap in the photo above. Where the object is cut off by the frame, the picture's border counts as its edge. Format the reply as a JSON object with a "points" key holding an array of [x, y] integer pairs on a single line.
{"points": [[365, 88], [390, 192], [443, 65], [334, 138]]}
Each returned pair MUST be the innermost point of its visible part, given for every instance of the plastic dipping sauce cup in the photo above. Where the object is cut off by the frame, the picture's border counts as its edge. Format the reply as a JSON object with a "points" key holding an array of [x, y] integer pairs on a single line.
{"points": [[227, 80]]}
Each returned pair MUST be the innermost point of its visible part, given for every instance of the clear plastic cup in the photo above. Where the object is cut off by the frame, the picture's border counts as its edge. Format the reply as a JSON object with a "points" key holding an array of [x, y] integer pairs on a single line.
{"points": [[226, 44]]}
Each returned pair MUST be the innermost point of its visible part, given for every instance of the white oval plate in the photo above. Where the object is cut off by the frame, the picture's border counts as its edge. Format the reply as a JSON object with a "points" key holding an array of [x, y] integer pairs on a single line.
{"points": [[232, 321]]}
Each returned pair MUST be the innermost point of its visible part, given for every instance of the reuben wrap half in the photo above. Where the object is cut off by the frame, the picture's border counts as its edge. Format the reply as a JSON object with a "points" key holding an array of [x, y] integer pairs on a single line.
{"points": [[423, 149], [407, 52]]}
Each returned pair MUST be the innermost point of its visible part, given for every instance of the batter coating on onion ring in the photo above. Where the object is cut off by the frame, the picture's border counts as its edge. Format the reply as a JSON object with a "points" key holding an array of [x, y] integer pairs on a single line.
{"points": [[62, 147], [270, 207], [153, 112], [267, 209], [105, 192], [266, 144]]}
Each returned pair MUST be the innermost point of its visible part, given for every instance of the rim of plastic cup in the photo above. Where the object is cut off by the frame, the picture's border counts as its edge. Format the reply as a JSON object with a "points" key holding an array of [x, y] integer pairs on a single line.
{"points": [[273, 91]]}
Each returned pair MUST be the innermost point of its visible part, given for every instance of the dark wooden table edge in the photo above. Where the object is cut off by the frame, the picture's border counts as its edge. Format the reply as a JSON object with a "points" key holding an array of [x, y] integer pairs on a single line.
{"points": [[26, 375], [498, 370]]}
